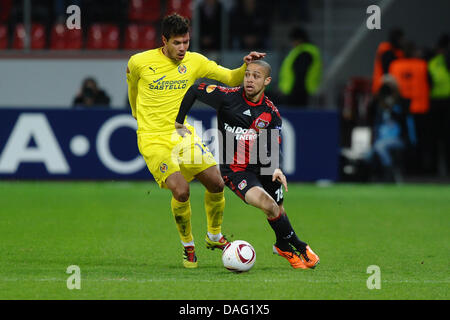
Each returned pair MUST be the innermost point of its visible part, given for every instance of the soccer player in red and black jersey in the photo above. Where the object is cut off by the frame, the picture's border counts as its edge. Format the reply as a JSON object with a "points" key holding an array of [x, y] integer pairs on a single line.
{"points": [[250, 124]]}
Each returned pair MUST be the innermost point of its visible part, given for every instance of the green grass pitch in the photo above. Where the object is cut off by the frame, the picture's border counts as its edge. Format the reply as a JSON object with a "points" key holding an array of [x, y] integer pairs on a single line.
{"points": [[123, 238]]}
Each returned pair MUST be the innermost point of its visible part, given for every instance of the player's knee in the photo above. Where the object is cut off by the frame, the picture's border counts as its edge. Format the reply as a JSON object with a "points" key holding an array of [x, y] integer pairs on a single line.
{"points": [[181, 193], [271, 208], [217, 186]]}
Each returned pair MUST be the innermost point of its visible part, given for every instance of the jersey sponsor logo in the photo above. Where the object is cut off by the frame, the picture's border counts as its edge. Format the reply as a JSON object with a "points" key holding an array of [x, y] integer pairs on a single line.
{"points": [[241, 133], [247, 113], [242, 184], [163, 167], [261, 124], [158, 80], [182, 69], [211, 88], [168, 84]]}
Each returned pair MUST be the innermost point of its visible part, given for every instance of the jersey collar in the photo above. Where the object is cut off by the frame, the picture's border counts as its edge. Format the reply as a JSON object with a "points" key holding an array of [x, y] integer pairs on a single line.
{"points": [[253, 104]]}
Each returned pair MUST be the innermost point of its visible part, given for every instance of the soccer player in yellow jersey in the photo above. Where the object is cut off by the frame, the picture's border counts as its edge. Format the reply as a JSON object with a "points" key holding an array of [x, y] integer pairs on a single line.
{"points": [[157, 82]]}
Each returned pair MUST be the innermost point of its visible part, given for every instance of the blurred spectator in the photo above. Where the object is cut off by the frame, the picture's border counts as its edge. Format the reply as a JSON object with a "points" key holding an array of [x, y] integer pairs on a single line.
{"points": [[91, 95], [386, 53], [390, 130], [210, 24], [411, 73], [250, 25], [300, 71], [104, 11], [293, 10], [439, 69]]}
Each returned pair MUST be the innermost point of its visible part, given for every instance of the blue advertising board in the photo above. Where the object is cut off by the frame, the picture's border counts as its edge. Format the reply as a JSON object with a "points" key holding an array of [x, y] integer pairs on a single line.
{"points": [[101, 144]]}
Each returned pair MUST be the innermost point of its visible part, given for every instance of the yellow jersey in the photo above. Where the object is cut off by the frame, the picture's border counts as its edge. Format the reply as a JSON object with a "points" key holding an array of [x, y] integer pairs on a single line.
{"points": [[157, 85]]}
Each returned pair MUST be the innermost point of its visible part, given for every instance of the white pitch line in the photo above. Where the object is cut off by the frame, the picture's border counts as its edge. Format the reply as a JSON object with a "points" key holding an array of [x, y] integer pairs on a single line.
{"points": [[225, 280]]}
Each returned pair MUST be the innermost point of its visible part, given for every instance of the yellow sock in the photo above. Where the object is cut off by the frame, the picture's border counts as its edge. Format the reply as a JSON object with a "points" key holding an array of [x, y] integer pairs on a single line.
{"points": [[182, 214], [214, 206]]}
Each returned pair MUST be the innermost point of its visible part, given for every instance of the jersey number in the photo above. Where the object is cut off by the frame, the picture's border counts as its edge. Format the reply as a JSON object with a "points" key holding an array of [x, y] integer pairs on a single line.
{"points": [[279, 193]]}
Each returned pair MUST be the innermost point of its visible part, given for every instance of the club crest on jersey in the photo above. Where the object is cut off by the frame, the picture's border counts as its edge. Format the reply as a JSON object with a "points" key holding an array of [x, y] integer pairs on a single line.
{"points": [[211, 88], [261, 124], [163, 167], [242, 184], [182, 69]]}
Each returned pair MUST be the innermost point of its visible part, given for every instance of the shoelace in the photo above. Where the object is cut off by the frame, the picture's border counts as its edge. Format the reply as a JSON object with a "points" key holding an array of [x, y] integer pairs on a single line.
{"points": [[190, 255], [302, 253]]}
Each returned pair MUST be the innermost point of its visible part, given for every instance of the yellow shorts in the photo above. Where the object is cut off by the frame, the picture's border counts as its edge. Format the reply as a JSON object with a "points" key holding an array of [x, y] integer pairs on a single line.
{"points": [[169, 153]]}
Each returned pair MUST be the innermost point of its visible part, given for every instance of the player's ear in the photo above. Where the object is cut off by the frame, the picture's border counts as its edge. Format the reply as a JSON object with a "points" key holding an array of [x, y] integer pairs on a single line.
{"points": [[164, 40], [267, 81]]}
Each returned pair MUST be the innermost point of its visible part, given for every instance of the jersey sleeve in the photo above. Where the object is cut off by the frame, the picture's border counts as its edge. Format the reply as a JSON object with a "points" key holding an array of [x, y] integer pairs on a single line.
{"points": [[211, 70], [132, 81], [209, 94]]}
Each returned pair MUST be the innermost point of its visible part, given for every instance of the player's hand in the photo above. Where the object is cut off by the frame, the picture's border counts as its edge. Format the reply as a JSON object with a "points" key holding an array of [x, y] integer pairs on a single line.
{"points": [[280, 177], [252, 56], [182, 130]]}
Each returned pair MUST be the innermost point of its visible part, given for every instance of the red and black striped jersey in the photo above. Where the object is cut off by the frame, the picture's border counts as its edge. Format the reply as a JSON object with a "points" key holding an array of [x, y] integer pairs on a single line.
{"points": [[248, 130]]}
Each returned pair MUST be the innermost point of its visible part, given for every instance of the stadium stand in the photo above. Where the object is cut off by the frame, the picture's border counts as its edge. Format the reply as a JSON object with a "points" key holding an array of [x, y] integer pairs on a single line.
{"points": [[128, 25], [144, 10], [5, 10], [3, 37], [103, 36], [38, 36], [139, 37], [182, 7], [63, 39]]}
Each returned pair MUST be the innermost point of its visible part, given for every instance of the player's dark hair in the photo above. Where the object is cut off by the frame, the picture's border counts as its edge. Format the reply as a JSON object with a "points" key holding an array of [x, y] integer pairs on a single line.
{"points": [[263, 64], [174, 25]]}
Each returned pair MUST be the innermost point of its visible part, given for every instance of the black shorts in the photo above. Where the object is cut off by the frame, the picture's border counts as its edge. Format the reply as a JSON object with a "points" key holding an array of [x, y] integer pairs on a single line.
{"points": [[242, 181]]}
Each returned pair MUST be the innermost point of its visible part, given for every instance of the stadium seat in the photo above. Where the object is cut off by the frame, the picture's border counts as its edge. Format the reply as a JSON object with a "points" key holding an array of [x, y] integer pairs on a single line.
{"points": [[58, 37], [103, 36], [132, 37], [140, 37], [5, 10], [95, 37], [111, 39], [3, 37], [148, 37], [38, 36], [144, 10], [62, 38], [74, 39], [182, 7]]}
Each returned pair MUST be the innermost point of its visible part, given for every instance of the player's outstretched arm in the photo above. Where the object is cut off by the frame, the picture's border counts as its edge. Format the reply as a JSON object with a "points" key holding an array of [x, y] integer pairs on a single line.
{"points": [[280, 177], [210, 69], [203, 92], [253, 56]]}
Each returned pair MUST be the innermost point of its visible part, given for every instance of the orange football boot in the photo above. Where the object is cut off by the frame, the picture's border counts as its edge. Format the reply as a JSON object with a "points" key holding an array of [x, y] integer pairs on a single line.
{"points": [[290, 256], [310, 259]]}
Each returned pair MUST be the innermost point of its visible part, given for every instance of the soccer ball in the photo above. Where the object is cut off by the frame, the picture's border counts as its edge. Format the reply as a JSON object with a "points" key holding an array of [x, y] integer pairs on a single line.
{"points": [[238, 256]]}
